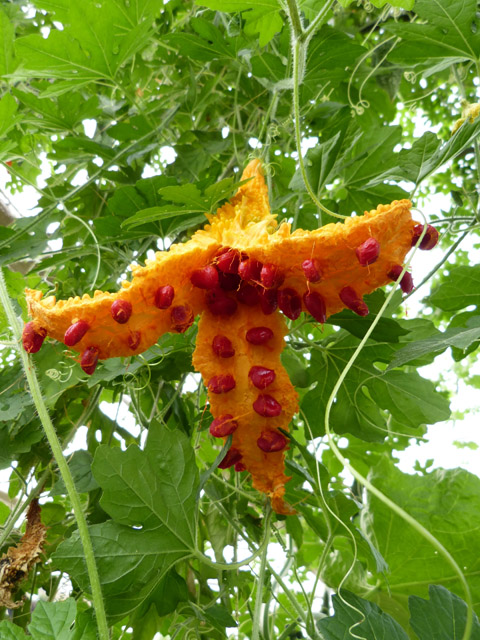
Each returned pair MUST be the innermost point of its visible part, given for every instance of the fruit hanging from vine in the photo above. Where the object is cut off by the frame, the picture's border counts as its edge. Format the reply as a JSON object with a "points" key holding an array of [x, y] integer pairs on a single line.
{"points": [[241, 274]]}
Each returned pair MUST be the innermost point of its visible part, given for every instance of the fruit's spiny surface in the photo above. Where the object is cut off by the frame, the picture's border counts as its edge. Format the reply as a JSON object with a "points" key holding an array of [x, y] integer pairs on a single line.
{"points": [[321, 262]]}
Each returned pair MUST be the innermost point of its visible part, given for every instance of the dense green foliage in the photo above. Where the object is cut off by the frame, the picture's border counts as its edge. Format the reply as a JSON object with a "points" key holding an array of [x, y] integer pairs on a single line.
{"points": [[103, 92]]}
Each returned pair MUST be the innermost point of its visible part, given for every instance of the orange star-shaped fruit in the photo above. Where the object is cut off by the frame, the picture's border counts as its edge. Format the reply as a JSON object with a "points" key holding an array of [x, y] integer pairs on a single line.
{"points": [[241, 274]]}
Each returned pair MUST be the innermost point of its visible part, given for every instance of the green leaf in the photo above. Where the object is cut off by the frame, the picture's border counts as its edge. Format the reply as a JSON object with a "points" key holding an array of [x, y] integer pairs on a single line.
{"points": [[81, 468], [153, 214], [131, 563], [409, 398], [99, 39], [461, 289], [428, 155], [450, 33], [330, 53], [446, 502], [13, 405], [8, 108], [261, 16], [401, 4], [443, 617], [7, 37], [211, 45], [10, 631], [375, 624], [152, 488], [150, 495], [52, 620], [460, 338], [219, 617]]}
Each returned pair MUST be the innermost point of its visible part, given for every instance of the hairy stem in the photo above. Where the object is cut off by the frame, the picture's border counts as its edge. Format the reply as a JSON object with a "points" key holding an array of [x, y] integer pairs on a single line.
{"points": [[299, 47], [67, 478]]}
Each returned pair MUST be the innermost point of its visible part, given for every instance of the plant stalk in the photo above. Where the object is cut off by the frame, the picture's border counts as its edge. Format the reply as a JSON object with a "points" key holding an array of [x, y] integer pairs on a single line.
{"points": [[261, 578], [67, 478]]}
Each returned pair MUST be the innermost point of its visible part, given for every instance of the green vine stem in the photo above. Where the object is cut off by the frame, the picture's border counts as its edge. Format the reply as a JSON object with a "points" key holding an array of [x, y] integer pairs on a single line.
{"points": [[261, 577], [232, 566], [370, 487], [67, 478], [300, 39]]}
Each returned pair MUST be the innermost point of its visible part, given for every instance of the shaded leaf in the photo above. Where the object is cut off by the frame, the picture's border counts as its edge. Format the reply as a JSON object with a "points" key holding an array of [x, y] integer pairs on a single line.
{"points": [[442, 617], [376, 624], [52, 620], [89, 48], [460, 338], [446, 502], [461, 289], [81, 468], [448, 33], [261, 16]]}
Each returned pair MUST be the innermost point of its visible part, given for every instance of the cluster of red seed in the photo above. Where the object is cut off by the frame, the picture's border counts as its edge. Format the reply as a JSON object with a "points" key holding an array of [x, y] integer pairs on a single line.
{"points": [[265, 405], [234, 278]]}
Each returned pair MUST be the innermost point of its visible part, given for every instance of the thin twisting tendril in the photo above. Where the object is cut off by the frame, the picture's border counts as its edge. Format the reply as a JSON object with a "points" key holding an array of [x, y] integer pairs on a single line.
{"points": [[95, 242], [361, 105], [370, 487], [326, 506]]}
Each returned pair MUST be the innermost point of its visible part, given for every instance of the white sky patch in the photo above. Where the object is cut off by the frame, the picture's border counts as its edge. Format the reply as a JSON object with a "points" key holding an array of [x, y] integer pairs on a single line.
{"points": [[89, 126], [167, 155], [148, 171], [80, 178]]}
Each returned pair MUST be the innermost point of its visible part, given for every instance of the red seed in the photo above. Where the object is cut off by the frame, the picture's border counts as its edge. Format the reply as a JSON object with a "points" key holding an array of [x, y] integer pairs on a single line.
{"points": [[228, 261], [406, 283], [350, 299], [233, 456], [267, 406], [75, 332], [315, 306], [134, 340], [181, 317], [430, 238], [222, 347], [271, 276], [89, 360], [290, 303], [239, 466], [229, 281], [32, 339], [250, 269], [311, 269], [248, 294], [205, 278], [261, 377], [271, 441], [268, 301], [223, 426], [368, 252], [164, 296], [259, 335], [221, 384], [220, 304], [121, 311]]}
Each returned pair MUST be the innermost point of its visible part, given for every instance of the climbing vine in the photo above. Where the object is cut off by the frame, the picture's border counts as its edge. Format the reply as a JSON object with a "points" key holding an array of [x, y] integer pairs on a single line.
{"points": [[236, 161]]}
